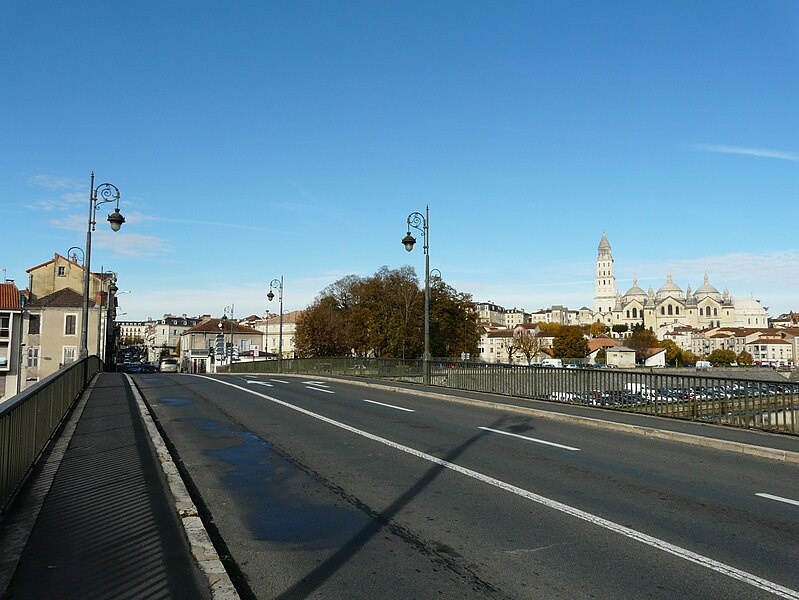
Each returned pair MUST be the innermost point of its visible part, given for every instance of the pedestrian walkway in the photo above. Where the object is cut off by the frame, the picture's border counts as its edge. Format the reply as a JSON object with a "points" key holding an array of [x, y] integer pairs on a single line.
{"points": [[107, 527]]}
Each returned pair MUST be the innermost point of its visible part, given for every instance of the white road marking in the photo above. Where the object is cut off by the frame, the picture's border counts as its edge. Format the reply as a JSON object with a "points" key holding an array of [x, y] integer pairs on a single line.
{"points": [[779, 499], [529, 439], [319, 389], [388, 405], [260, 383], [319, 383], [278, 381], [704, 561]]}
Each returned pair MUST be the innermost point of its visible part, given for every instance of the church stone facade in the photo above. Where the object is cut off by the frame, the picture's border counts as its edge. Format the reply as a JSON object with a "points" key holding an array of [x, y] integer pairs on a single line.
{"points": [[669, 306]]}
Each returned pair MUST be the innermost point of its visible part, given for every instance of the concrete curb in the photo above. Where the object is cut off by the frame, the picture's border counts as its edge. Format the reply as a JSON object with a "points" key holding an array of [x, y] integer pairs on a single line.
{"points": [[652, 432], [200, 542]]}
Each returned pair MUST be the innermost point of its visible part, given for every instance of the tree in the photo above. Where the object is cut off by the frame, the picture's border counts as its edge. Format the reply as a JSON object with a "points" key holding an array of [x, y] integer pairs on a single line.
{"points": [[620, 328], [453, 322], [744, 358], [383, 316], [528, 343], [596, 328], [570, 343], [602, 356], [722, 357], [642, 340], [321, 330], [688, 357], [674, 354]]}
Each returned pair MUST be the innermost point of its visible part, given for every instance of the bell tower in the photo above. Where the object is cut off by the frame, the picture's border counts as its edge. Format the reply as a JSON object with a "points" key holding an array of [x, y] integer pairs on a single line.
{"points": [[605, 285]]}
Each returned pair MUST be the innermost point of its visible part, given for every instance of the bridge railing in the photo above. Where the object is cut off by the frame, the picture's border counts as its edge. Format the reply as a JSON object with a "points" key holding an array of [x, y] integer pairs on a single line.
{"points": [[748, 402], [30, 419]]}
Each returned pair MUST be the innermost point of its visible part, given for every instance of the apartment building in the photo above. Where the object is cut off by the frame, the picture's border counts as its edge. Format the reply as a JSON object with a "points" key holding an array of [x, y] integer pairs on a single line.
{"points": [[10, 339]]}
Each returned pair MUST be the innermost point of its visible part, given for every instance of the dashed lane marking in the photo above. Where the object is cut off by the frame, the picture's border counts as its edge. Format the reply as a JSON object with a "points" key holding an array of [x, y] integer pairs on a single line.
{"points": [[388, 405], [530, 439]]}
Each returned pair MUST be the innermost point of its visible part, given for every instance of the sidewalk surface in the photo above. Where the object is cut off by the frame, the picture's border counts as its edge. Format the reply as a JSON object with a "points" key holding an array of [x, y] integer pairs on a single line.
{"points": [[107, 528]]}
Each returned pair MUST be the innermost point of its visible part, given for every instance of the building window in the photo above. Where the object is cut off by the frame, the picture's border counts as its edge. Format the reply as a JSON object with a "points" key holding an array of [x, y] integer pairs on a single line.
{"points": [[34, 324], [662, 310], [635, 313], [69, 354], [671, 310], [715, 312], [676, 310], [62, 271], [70, 324], [5, 326], [33, 357], [628, 314]]}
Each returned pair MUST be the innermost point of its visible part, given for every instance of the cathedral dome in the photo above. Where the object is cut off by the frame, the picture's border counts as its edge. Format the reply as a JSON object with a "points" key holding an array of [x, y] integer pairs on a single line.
{"points": [[635, 291], [707, 290], [669, 289]]}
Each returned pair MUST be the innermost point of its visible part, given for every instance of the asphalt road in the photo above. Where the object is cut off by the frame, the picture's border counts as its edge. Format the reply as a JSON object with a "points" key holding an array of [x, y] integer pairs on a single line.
{"points": [[332, 490]]}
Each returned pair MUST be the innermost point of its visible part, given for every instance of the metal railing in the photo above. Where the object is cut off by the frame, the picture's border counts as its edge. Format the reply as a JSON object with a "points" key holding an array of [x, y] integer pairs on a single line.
{"points": [[30, 419], [748, 402]]}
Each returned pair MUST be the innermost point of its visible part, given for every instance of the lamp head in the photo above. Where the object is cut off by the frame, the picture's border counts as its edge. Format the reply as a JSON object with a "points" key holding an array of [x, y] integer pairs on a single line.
{"points": [[408, 241], [270, 295], [116, 219]]}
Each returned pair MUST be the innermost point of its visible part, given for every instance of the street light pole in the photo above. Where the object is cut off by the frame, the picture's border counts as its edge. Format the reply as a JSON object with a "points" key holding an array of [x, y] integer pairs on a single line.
{"points": [[102, 194], [422, 223], [279, 284], [229, 309]]}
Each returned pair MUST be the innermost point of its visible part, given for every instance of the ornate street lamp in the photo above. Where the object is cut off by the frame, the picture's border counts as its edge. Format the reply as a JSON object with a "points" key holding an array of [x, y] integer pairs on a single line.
{"points": [[278, 283], [74, 257], [102, 194], [421, 222]]}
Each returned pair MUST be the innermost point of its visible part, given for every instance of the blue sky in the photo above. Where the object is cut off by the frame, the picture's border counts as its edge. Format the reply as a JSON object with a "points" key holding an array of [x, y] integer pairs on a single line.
{"points": [[257, 139]]}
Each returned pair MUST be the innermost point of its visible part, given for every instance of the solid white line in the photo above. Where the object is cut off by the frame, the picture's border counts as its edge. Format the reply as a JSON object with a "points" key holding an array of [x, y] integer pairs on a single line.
{"points": [[530, 439], [319, 383], [388, 405], [779, 499], [261, 383], [318, 389], [649, 540], [278, 381]]}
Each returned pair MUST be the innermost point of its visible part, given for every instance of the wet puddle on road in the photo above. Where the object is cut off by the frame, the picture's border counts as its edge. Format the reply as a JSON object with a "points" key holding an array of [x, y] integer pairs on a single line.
{"points": [[176, 401], [273, 493]]}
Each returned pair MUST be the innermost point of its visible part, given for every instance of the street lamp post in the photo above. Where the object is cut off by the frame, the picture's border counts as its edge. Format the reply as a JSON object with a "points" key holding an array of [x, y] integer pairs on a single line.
{"points": [[102, 194], [229, 309], [278, 283], [74, 257], [422, 223]]}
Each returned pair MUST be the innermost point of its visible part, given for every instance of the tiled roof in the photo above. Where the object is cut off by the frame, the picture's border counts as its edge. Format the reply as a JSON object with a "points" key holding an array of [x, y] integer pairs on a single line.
{"points": [[505, 333], [289, 317], [601, 342], [66, 298], [212, 325], [9, 296], [769, 341]]}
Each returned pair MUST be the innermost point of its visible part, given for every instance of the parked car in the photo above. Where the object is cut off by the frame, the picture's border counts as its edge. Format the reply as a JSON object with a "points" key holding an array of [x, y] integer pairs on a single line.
{"points": [[148, 368], [169, 365]]}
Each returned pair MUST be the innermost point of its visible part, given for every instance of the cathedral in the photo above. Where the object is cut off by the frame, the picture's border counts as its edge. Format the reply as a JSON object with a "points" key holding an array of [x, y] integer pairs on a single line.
{"points": [[669, 306]]}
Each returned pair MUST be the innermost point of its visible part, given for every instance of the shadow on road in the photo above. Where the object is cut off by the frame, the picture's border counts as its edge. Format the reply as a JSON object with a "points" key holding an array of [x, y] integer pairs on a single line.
{"points": [[328, 568]]}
